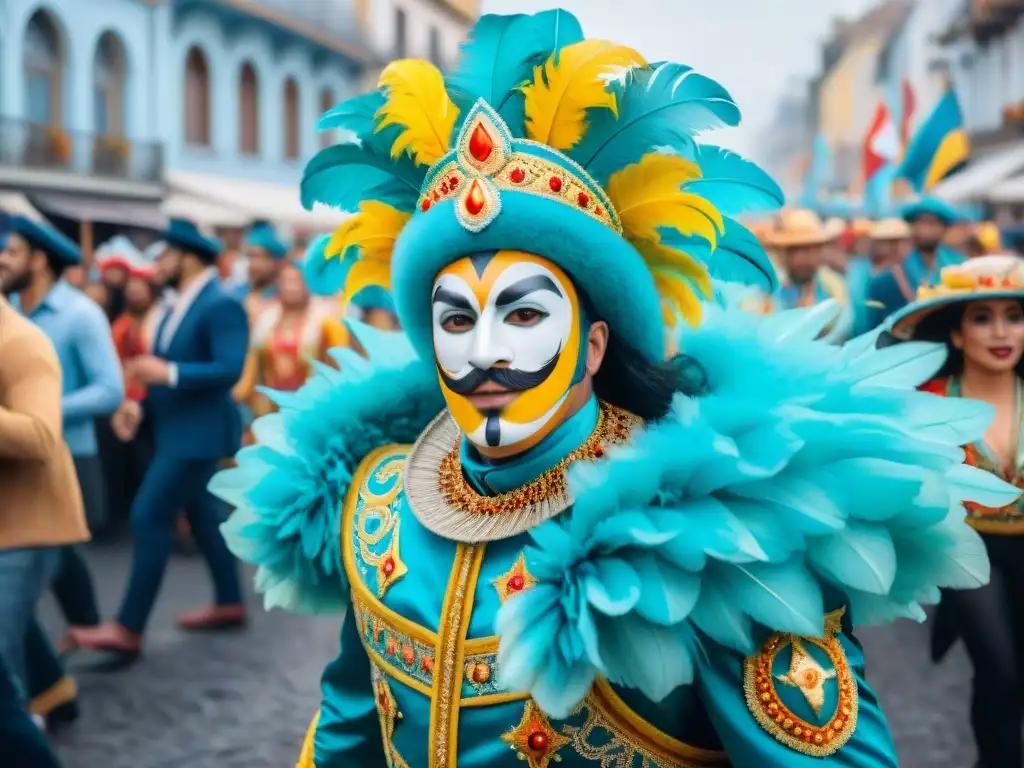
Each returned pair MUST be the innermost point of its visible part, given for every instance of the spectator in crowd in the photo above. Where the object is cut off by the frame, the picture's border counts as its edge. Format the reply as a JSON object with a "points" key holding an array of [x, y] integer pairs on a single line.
{"points": [[41, 511], [197, 357], [265, 252]]}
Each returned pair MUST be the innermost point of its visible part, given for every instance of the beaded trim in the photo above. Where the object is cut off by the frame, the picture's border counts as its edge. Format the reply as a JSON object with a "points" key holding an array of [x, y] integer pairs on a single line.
{"points": [[445, 503]]}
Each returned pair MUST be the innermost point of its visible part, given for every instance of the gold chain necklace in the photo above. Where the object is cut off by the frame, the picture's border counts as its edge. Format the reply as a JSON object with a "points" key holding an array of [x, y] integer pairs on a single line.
{"points": [[613, 427]]}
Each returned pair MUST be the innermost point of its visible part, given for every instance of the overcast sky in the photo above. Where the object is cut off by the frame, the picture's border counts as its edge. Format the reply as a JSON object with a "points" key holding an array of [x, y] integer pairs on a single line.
{"points": [[751, 46]]}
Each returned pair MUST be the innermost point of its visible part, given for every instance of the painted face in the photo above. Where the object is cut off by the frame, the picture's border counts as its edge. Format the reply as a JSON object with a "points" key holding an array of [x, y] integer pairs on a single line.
{"points": [[992, 334], [507, 340]]}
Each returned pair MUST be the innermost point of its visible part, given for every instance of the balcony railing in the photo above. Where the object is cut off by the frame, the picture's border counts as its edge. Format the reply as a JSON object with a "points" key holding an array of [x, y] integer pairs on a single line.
{"points": [[35, 146]]}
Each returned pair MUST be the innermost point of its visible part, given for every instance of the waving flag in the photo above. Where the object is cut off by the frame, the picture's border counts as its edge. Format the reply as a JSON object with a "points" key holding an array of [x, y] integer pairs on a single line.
{"points": [[940, 146], [881, 144]]}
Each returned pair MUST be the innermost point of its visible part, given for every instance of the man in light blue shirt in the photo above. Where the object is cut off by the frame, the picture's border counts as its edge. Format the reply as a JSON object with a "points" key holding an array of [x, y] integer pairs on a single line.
{"points": [[31, 266]]}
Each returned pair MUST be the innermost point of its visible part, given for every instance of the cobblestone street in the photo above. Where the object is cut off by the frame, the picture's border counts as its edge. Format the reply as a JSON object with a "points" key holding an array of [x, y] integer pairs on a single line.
{"points": [[244, 700]]}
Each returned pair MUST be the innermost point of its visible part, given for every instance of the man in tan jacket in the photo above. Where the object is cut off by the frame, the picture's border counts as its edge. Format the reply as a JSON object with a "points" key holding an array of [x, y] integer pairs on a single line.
{"points": [[40, 502]]}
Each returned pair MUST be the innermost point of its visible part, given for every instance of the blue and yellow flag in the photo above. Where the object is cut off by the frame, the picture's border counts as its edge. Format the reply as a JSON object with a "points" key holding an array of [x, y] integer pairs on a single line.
{"points": [[939, 147]]}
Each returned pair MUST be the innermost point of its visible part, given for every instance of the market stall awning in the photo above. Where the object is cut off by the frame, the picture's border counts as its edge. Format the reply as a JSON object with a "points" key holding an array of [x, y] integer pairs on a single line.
{"points": [[278, 203], [108, 210], [978, 180], [203, 212]]}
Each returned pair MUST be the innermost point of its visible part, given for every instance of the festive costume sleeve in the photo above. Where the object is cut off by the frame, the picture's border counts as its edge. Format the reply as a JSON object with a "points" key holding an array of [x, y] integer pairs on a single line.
{"points": [[287, 489], [346, 731], [755, 740], [799, 470]]}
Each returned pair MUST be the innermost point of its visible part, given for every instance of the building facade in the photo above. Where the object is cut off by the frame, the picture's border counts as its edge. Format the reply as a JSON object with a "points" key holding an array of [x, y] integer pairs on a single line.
{"points": [[208, 108]]}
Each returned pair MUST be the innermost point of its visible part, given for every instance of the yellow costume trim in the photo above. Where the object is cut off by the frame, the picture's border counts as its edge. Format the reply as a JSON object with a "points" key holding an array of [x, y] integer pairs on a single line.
{"points": [[447, 692], [811, 679], [61, 692], [515, 580], [390, 714], [306, 756]]}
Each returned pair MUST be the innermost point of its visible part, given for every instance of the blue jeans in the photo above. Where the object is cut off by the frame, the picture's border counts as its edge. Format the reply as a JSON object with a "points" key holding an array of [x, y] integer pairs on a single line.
{"points": [[23, 743], [24, 576], [171, 485]]}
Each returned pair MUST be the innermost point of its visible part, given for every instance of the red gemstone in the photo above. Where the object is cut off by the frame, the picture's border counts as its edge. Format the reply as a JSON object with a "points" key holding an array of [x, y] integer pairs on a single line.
{"points": [[517, 175], [555, 183], [598, 452], [444, 188], [516, 583], [453, 182], [435, 196], [475, 199], [599, 211], [425, 206], [388, 567], [383, 699], [480, 143], [538, 741], [583, 200], [986, 281]]}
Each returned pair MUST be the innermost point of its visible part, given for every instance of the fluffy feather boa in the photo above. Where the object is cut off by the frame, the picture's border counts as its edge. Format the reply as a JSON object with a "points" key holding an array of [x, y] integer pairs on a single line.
{"points": [[802, 467], [288, 489]]}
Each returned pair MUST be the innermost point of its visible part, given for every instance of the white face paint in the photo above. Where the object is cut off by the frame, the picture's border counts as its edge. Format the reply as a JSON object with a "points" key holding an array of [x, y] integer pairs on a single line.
{"points": [[507, 325]]}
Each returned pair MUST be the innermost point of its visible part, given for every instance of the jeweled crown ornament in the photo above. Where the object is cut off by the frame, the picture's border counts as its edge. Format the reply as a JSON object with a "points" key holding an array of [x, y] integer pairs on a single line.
{"points": [[488, 159]]}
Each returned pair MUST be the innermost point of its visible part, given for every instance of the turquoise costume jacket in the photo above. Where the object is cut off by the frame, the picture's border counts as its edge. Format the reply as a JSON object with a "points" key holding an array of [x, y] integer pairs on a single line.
{"points": [[690, 599], [416, 682], [897, 286]]}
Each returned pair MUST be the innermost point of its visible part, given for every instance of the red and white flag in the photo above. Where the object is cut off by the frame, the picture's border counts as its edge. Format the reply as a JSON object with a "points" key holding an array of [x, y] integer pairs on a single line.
{"points": [[881, 143]]}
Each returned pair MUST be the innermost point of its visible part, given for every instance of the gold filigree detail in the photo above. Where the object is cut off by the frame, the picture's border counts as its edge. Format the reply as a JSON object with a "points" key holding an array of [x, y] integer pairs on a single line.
{"points": [[515, 580], [447, 689], [390, 715], [534, 739], [770, 710], [390, 567], [613, 427]]}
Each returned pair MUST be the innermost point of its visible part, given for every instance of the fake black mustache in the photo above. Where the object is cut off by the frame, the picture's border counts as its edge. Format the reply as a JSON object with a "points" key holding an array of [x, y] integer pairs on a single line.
{"points": [[508, 378]]}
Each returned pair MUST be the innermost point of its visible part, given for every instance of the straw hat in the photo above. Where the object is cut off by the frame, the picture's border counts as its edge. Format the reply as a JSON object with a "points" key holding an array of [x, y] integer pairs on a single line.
{"points": [[862, 227], [998, 276], [797, 227], [890, 229]]}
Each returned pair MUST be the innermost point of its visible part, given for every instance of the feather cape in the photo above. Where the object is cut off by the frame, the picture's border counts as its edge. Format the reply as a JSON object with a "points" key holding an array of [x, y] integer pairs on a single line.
{"points": [[825, 470]]}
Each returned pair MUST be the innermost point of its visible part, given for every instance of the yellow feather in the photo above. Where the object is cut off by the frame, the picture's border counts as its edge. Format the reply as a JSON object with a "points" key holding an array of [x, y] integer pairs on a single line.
{"points": [[373, 232], [657, 255], [418, 102], [341, 237], [678, 293], [562, 91], [366, 273]]}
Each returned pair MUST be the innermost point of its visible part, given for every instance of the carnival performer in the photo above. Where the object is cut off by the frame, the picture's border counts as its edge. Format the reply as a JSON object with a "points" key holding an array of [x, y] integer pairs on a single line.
{"points": [[886, 246], [977, 309], [288, 335], [644, 560], [929, 219]]}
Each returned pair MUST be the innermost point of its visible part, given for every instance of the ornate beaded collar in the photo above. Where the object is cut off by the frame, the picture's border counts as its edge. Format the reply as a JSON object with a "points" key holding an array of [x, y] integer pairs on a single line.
{"points": [[447, 505]]}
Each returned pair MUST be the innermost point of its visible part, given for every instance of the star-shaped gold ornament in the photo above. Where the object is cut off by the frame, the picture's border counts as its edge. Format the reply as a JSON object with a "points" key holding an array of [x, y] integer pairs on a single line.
{"points": [[807, 675]]}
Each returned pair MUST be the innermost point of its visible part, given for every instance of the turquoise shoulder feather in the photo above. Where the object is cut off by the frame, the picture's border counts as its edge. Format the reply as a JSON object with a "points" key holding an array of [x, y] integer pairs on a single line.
{"points": [[803, 468], [287, 490]]}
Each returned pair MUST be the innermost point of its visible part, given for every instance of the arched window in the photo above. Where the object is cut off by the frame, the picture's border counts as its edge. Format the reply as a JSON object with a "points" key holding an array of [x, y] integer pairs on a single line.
{"points": [[326, 102], [109, 71], [292, 138], [248, 111], [197, 98], [44, 69]]}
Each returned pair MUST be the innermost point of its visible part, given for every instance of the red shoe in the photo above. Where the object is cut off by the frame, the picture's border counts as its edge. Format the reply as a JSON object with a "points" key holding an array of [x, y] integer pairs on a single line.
{"points": [[213, 617], [109, 637]]}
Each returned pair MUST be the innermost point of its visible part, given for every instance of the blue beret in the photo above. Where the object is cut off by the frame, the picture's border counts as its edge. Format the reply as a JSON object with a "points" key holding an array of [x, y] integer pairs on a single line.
{"points": [[930, 206], [185, 235], [47, 239], [262, 235]]}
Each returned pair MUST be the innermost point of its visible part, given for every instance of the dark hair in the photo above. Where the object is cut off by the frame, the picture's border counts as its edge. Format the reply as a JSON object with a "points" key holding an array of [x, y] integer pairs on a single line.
{"points": [[56, 266], [939, 326], [643, 387]]}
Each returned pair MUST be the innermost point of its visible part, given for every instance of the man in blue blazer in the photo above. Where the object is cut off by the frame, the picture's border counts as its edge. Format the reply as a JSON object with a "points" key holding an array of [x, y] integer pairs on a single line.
{"points": [[198, 353]]}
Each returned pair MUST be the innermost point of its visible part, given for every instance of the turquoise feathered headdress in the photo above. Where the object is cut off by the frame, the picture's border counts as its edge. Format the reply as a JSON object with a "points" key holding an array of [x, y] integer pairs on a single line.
{"points": [[578, 150]]}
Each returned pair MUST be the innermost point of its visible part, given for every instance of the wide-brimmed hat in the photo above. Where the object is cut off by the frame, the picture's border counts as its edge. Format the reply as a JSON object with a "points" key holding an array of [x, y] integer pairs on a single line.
{"points": [[930, 206], [986, 277], [47, 239], [889, 229], [262, 234], [598, 174], [797, 227]]}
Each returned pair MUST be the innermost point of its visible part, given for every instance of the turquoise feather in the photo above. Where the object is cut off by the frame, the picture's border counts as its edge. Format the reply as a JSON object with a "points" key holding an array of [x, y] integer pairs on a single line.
{"points": [[662, 107], [345, 175], [736, 258], [287, 490], [358, 115], [744, 506], [500, 55], [733, 184]]}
